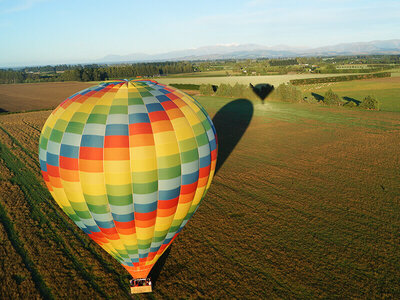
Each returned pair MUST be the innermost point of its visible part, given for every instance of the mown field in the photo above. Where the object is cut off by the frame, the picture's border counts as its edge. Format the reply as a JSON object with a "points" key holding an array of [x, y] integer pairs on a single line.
{"points": [[386, 90], [305, 206], [33, 96], [270, 79]]}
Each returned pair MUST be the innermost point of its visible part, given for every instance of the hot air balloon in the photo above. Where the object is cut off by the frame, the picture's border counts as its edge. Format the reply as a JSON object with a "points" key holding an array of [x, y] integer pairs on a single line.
{"points": [[129, 161]]}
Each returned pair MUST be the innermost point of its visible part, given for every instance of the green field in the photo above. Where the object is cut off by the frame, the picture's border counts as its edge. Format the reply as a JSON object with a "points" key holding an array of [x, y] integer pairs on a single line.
{"points": [[305, 206], [395, 72], [386, 90]]}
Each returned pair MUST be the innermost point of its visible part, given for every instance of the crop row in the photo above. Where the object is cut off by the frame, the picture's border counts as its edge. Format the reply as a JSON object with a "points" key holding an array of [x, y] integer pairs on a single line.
{"points": [[40, 284], [34, 194], [69, 232]]}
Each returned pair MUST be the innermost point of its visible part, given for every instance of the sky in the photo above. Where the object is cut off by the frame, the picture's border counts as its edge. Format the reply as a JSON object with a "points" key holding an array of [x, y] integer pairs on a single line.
{"points": [[40, 32]]}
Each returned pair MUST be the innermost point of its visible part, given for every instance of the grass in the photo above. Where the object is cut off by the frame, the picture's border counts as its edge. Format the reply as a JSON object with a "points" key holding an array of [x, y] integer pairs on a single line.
{"points": [[387, 90], [306, 113], [395, 72], [310, 182], [23, 149], [306, 206]]}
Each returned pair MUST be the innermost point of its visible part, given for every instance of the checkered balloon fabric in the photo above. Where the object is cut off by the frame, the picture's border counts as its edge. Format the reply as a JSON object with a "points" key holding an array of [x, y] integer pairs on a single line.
{"points": [[129, 161]]}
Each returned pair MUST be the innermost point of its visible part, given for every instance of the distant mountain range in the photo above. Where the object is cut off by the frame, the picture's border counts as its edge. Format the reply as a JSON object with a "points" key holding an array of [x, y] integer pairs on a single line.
{"points": [[251, 51]]}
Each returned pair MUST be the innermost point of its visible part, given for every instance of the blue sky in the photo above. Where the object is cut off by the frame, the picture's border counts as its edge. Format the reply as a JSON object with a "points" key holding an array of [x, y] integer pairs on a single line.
{"points": [[57, 31]]}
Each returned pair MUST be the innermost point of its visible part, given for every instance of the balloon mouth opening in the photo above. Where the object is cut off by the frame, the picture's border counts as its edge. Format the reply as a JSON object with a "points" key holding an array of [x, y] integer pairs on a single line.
{"points": [[139, 272]]}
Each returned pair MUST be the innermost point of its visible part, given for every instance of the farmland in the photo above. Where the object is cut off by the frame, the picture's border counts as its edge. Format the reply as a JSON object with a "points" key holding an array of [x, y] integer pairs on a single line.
{"points": [[271, 79], [24, 97], [21, 97], [306, 205]]}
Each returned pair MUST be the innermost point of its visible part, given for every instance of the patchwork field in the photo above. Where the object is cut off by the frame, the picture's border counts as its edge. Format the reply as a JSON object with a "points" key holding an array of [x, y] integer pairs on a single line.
{"points": [[25, 97], [305, 206], [270, 79]]}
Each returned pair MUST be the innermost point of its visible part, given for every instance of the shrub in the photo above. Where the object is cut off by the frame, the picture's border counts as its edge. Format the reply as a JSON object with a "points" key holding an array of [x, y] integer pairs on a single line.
{"points": [[224, 90], [206, 89], [186, 86], [238, 89], [330, 98], [310, 100], [350, 104], [370, 102], [288, 93]]}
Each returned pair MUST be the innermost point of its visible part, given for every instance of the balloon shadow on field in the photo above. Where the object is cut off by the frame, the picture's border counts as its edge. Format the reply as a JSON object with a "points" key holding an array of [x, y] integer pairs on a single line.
{"points": [[231, 122], [262, 90]]}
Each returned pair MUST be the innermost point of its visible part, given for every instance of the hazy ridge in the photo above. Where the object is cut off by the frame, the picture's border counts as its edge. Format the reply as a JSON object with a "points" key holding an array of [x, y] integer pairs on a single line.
{"points": [[244, 51]]}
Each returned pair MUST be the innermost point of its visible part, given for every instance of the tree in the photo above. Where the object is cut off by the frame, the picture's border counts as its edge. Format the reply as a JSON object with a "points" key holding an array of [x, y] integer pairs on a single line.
{"points": [[370, 102], [330, 98], [330, 69], [206, 89], [87, 74], [224, 90], [350, 104], [238, 90], [288, 93]]}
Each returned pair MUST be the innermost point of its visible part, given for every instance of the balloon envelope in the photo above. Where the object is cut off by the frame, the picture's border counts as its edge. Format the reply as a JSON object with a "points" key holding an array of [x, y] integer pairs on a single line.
{"points": [[129, 162]]}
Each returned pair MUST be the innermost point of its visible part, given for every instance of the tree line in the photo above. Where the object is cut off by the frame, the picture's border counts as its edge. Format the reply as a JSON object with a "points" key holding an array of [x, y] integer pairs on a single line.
{"points": [[93, 72], [339, 78]]}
